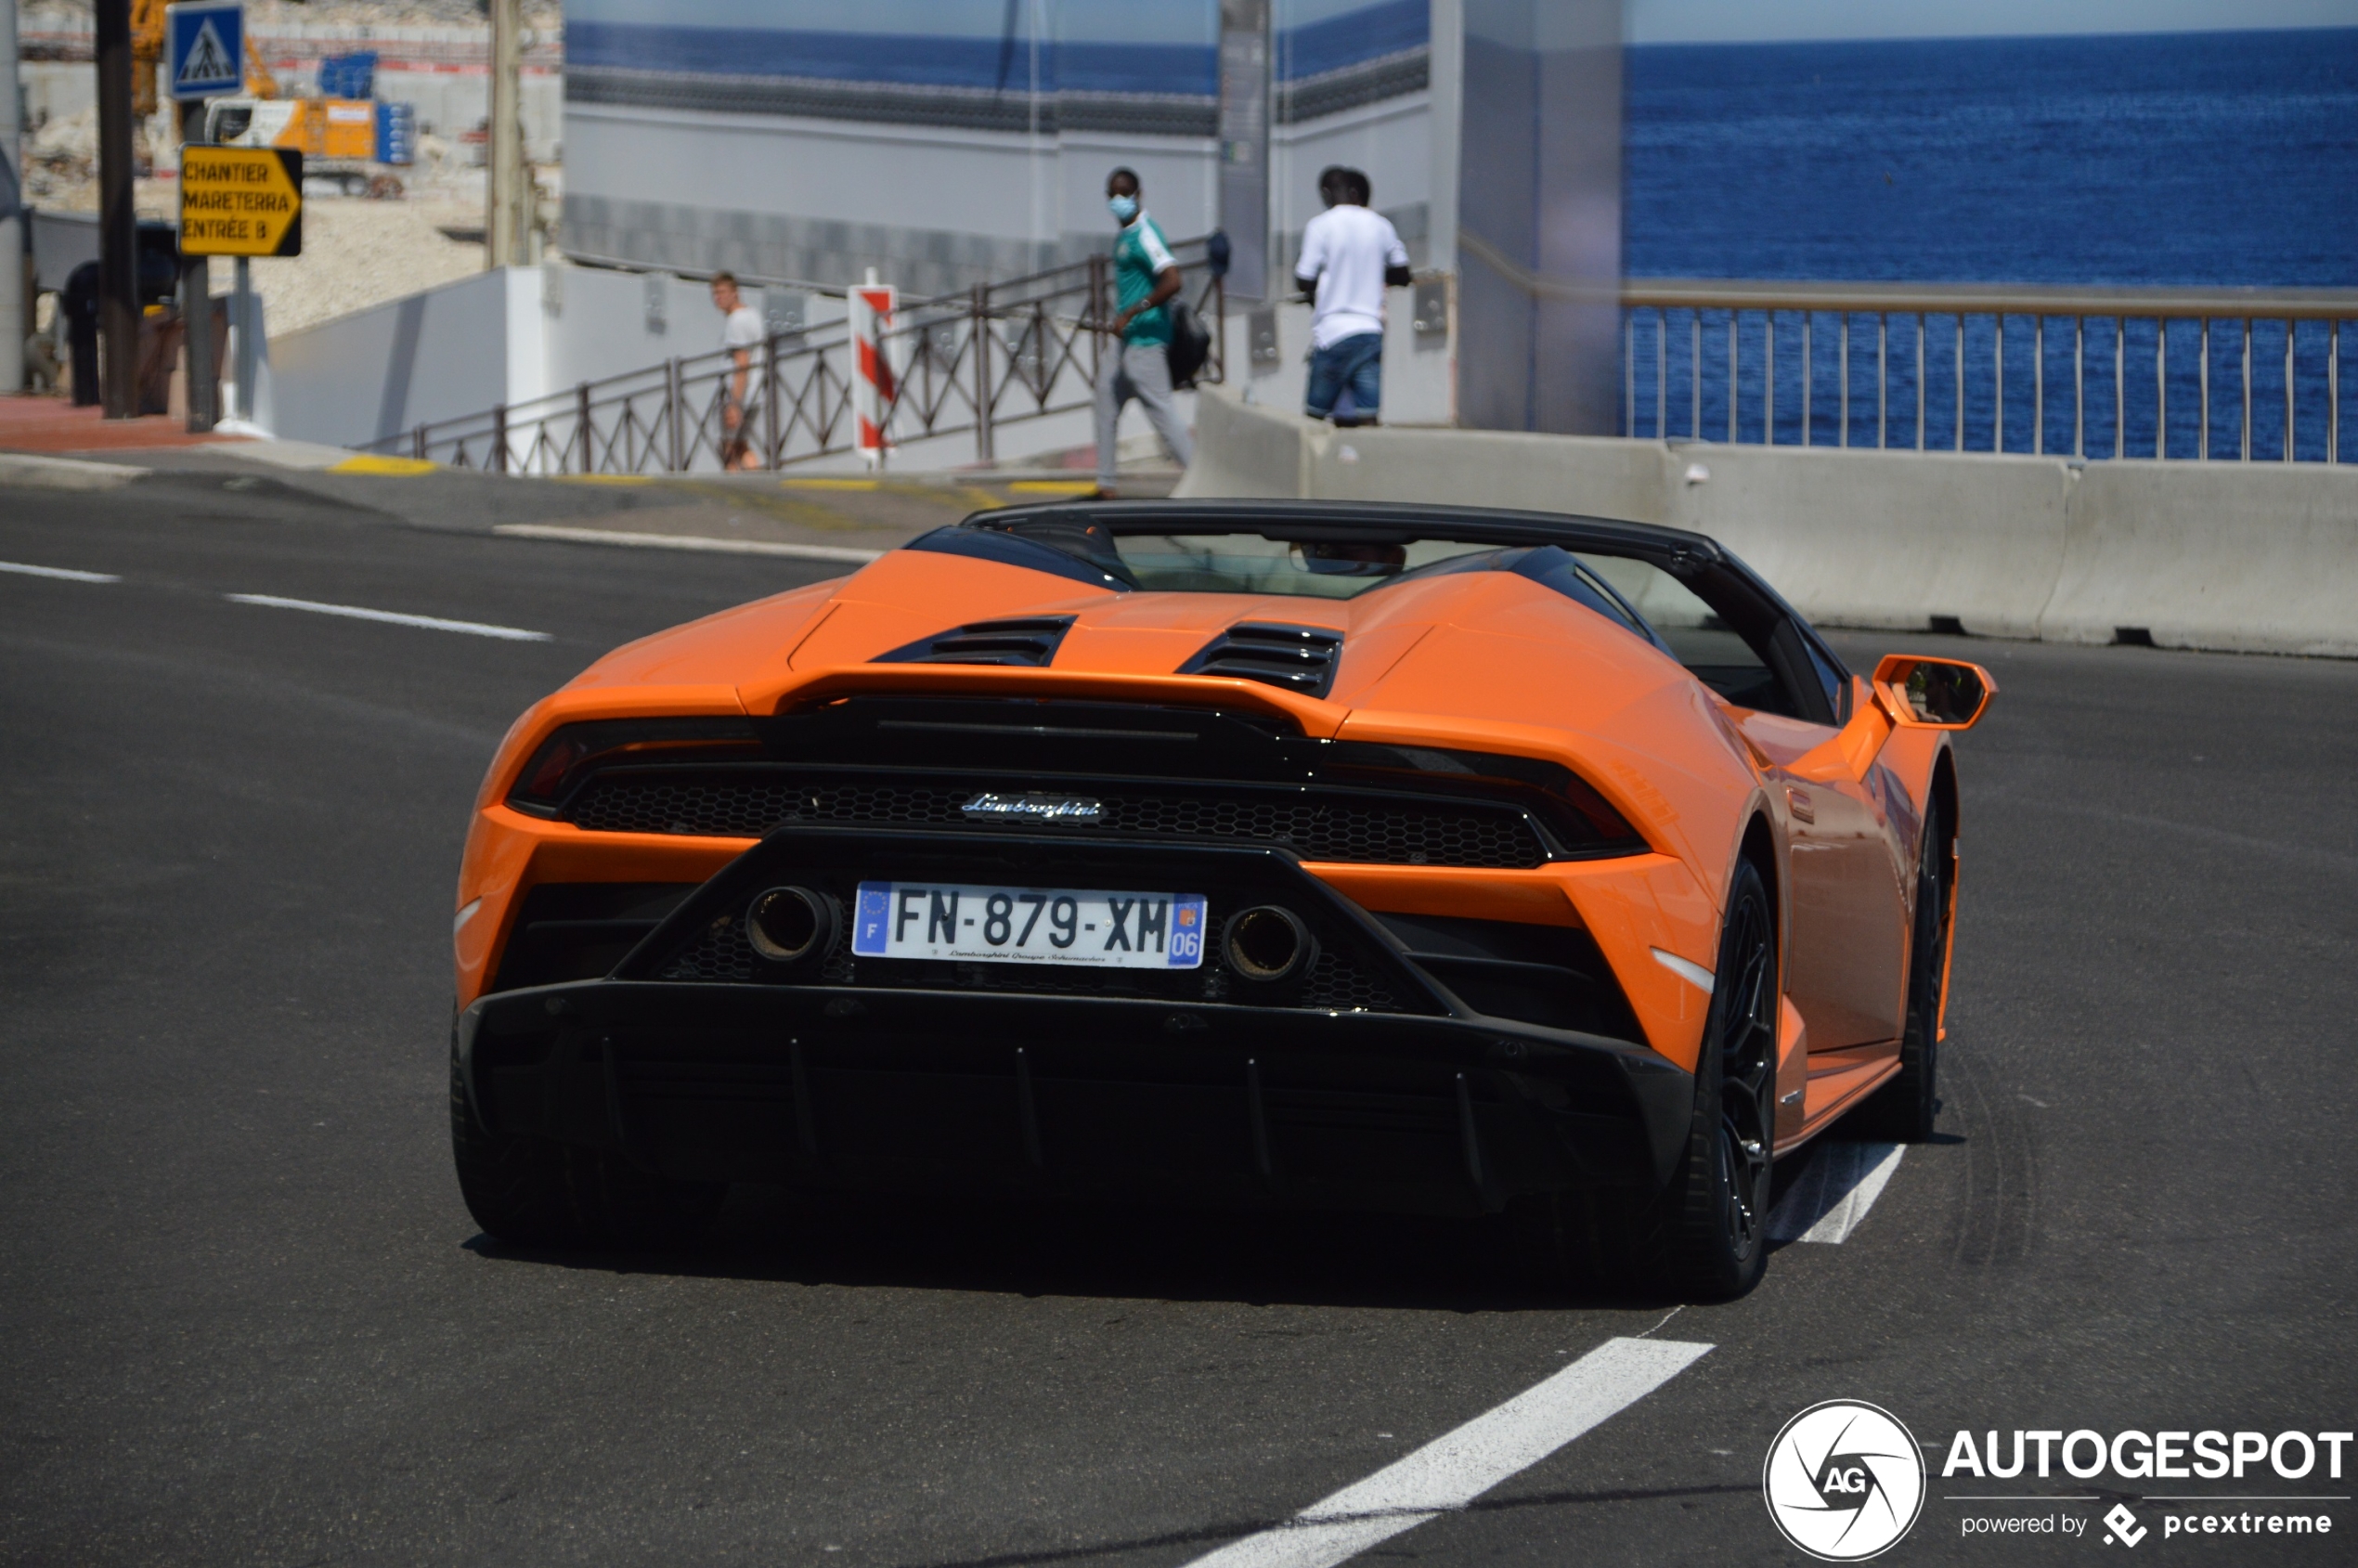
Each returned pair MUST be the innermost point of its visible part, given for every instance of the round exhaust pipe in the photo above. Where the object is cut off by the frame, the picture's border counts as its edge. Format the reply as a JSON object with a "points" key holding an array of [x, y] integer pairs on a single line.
{"points": [[786, 924], [1268, 943]]}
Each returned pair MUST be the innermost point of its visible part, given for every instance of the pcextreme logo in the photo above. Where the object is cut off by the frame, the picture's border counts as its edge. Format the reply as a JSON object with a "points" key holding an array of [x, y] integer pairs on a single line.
{"points": [[1844, 1481]]}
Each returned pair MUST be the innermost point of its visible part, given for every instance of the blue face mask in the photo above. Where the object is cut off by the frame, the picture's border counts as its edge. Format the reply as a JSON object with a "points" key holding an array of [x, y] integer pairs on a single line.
{"points": [[1124, 207]]}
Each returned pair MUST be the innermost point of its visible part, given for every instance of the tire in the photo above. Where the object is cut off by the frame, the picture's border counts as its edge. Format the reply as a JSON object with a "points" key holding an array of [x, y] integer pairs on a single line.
{"points": [[1904, 1108], [1704, 1238], [534, 1192]]}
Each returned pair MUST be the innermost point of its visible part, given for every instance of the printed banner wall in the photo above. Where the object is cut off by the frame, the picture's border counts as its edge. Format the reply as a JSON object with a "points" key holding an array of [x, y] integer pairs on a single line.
{"points": [[945, 141], [1148, 66]]}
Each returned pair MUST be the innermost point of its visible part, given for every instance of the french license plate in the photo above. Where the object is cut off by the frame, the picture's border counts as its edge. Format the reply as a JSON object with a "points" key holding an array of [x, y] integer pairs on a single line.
{"points": [[1028, 926]]}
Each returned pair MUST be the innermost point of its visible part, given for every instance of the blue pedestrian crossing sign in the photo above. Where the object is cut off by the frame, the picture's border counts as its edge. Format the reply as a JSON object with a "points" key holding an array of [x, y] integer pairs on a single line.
{"points": [[206, 54]]}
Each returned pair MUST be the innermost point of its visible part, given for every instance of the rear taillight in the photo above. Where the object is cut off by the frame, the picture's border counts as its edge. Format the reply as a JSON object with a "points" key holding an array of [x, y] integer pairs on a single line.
{"points": [[576, 750], [1579, 815]]}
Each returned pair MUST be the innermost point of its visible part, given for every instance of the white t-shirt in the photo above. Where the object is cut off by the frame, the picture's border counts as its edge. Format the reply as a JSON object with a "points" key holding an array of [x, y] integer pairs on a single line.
{"points": [[1347, 248], [742, 329]]}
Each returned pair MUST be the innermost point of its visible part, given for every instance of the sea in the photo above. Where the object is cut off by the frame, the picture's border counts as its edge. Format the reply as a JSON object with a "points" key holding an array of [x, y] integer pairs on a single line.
{"points": [[2202, 159]]}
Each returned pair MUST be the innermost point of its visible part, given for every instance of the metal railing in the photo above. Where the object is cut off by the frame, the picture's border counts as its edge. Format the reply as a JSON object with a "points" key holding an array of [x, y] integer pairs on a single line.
{"points": [[2201, 373], [1003, 354]]}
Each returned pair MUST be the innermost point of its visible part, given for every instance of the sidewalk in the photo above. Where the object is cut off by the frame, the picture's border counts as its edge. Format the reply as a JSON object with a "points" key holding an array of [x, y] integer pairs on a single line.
{"points": [[53, 425], [838, 516]]}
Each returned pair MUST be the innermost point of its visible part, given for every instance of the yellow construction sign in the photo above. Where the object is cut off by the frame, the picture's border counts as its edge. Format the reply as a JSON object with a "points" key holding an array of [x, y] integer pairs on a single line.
{"points": [[241, 202]]}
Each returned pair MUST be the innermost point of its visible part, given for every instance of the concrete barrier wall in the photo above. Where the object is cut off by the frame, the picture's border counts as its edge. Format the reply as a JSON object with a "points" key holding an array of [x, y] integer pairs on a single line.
{"points": [[1884, 538], [2261, 557], [1418, 367], [2256, 557]]}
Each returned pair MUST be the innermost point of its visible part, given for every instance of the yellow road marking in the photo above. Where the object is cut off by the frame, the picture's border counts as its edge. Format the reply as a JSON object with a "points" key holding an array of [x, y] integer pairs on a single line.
{"points": [[1053, 487], [828, 483], [376, 463]]}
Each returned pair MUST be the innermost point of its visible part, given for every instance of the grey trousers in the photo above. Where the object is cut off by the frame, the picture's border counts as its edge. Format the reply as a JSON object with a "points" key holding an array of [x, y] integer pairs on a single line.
{"points": [[1140, 370]]}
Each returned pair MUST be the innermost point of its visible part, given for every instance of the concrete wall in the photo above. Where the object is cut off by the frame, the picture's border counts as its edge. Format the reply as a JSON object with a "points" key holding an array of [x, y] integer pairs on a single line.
{"points": [[1538, 220], [933, 208], [529, 333], [2259, 557], [379, 371], [597, 323], [1416, 389]]}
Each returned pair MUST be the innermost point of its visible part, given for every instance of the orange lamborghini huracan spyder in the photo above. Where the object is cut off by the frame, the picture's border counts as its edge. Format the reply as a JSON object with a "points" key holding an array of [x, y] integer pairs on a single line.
{"points": [[1402, 858]]}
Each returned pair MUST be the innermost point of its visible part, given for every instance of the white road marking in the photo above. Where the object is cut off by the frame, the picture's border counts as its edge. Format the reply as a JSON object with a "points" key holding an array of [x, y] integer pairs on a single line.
{"points": [[354, 612], [844, 553], [1453, 1470], [1827, 1201], [64, 574]]}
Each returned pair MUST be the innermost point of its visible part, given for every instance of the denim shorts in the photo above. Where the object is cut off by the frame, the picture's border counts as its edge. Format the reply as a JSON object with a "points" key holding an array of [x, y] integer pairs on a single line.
{"points": [[1352, 364]]}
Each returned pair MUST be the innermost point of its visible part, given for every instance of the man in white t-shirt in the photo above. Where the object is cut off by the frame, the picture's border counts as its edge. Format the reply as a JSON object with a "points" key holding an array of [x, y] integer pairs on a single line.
{"points": [[741, 333], [1350, 254]]}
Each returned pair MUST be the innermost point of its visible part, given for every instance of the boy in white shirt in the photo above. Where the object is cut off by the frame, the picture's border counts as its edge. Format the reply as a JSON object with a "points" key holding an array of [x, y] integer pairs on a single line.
{"points": [[1350, 254]]}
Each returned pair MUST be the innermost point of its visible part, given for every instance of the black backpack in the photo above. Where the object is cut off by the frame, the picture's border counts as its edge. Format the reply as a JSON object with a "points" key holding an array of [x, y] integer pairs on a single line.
{"points": [[1190, 344]]}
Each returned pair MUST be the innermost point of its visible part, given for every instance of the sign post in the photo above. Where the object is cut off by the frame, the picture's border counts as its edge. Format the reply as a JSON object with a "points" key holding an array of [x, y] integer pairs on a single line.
{"points": [[241, 201], [205, 51], [869, 313]]}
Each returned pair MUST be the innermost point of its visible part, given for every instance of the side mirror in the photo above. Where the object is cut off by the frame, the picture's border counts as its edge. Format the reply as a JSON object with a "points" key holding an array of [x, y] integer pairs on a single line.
{"points": [[1929, 693]]}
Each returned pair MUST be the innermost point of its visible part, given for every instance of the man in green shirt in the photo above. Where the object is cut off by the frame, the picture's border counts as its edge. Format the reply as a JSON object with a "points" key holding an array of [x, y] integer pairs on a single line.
{"points": [[1145, 277]]}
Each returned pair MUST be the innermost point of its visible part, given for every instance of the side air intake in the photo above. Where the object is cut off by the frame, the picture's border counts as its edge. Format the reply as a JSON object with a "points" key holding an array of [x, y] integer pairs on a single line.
{"points": [[1299, 658], [1028, 640]]}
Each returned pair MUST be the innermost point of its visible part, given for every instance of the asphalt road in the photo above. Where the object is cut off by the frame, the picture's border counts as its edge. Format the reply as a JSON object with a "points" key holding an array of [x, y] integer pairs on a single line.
{"points": [[248, 1320]]}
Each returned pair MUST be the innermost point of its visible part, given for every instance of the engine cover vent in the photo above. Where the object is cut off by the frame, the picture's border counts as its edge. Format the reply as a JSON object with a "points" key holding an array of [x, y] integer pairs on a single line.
{"points": [[1026, 640], [1299, 658]]}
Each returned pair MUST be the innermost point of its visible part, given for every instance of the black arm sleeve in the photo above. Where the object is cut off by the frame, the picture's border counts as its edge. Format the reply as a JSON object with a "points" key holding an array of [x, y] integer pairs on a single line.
{"points": [[1398, 276], [1309, 286]]}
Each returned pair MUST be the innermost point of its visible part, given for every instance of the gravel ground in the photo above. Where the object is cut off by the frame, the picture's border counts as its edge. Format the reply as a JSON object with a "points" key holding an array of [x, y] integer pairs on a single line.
{"points": [[356, 253]]}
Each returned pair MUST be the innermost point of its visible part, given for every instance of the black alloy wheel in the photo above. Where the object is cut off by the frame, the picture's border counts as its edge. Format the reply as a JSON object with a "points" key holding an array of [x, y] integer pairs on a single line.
{"points": [[1747, 1050], [1903, 1110], [1706, 1238]]}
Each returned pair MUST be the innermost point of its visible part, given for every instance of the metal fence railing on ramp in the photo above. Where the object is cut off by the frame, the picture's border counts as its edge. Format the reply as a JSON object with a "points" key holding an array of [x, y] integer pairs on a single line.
{"points": [[963, 365]]}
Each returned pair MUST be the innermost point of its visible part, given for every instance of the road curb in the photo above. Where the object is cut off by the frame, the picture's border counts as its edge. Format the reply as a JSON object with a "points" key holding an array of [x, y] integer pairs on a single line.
{"points": [[65, 474]]}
